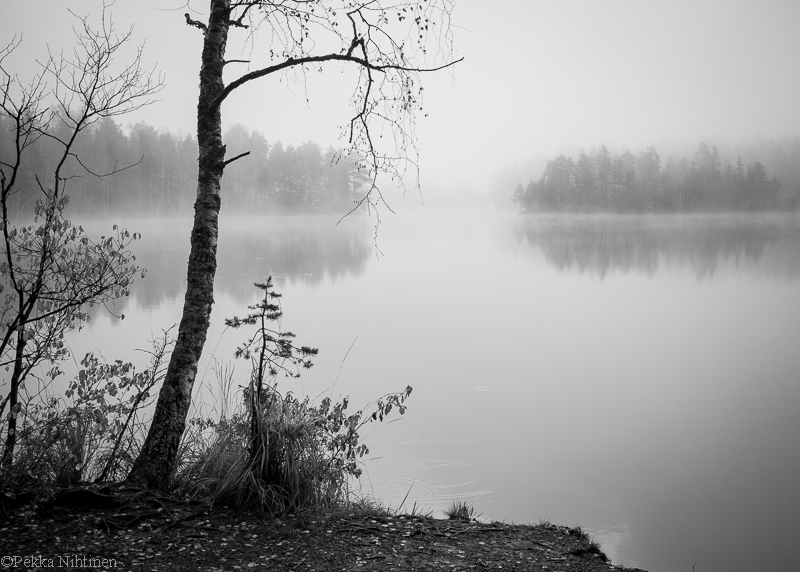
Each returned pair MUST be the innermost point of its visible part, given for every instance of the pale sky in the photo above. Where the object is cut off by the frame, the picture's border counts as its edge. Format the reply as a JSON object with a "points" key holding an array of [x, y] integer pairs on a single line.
{"points": [[539, 77]]}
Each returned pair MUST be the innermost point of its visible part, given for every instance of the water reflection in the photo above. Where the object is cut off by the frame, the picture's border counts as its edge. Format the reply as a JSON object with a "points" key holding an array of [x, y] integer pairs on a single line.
{"points": [[308, 249], [602, 244], [304, 248], [651, 399]]}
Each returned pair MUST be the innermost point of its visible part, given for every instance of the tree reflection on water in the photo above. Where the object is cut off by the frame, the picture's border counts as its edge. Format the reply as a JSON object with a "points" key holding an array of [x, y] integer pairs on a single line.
{"points": [[308, 249], [600, 244]]}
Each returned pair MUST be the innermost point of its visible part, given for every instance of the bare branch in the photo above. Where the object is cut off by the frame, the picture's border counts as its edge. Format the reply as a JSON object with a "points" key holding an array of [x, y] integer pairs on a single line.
{"points": [[52, 268], [113, 171], [291, 62], [239, 156], [196, 23], [387, 40]]}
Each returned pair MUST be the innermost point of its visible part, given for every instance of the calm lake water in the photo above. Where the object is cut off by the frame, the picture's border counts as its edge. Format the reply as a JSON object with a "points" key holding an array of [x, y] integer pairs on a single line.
{"points": [[636, 375]]}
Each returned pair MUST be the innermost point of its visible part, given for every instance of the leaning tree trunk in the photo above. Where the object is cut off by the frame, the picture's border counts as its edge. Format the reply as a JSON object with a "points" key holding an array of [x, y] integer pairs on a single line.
{"points": [[156, 462]]}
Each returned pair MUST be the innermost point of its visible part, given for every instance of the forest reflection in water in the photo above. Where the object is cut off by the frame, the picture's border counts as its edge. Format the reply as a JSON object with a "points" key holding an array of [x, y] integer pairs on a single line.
{"points": [[598, 244], [309, 249]]}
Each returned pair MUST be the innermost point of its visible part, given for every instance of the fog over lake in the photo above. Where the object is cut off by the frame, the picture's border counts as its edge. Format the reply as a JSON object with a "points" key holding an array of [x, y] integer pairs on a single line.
{"points": [[634, 374]]}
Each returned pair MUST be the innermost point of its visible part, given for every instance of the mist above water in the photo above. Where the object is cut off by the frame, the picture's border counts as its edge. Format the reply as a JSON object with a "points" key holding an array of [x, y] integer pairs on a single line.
{"points": [[634, 374]]}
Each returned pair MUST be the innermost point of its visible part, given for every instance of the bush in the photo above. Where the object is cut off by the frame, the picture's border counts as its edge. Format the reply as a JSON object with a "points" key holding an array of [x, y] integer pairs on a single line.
{"points": [[277, 452], [93, 433]]}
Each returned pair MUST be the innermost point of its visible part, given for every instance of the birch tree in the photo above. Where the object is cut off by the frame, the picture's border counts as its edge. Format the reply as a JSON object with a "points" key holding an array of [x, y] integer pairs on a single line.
{"points": [[389, 42]]}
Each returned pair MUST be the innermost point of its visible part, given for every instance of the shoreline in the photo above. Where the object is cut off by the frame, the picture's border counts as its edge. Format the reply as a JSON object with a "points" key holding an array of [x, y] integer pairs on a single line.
{"points": [[141, 531]]}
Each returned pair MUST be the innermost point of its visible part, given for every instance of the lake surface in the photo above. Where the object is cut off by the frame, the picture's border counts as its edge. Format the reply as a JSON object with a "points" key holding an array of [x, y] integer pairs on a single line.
{"points": [[636, 375]]}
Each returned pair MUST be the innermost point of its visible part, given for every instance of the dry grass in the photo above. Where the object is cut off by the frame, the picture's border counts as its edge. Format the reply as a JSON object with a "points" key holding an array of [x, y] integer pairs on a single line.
{"points": [[460, 510], [281, 455]]}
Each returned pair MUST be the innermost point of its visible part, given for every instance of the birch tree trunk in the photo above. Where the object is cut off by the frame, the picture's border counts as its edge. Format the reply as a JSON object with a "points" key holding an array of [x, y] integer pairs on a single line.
{"points": [[156, 462]]}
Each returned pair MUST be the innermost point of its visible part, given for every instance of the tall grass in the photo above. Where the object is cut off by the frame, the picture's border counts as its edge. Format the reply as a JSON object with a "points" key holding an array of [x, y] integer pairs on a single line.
{"points": [[277, 452]]}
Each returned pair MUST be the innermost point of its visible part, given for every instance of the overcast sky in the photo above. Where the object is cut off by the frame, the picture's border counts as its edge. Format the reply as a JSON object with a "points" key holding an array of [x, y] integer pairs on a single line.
{"points": [[539, 77]]}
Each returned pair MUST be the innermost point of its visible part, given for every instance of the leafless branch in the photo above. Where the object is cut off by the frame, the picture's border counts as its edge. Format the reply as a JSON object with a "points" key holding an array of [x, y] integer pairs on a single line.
{"points": [[196, 23], [291, 62], [387, 40], [116, 169], [239, 156]]}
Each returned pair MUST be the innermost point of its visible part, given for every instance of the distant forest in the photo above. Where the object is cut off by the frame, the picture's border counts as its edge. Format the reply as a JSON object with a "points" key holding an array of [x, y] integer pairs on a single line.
{"points": [[639, 183], [163, 175]]}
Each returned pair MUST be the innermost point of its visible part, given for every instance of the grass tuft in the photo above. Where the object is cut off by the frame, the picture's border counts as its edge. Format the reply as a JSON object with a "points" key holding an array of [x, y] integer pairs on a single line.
{"points": [[588, 545], [275, 458], [460, 510]]}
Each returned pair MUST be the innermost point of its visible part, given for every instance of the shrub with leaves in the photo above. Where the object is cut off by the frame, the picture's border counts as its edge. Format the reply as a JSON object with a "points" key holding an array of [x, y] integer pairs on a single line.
{"points": [[278, 452], [93, 432]]}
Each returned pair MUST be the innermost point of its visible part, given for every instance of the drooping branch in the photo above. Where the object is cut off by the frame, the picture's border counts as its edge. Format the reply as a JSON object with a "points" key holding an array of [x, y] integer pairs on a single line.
{"points": [[114, 170], [387, 40]]}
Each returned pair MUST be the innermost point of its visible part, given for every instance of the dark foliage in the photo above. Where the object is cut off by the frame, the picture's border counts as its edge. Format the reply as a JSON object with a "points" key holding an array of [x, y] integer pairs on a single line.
{"points": [[600, 181]]}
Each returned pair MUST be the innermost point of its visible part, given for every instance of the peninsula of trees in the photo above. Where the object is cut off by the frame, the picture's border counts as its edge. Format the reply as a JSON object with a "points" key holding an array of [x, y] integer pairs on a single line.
{"points": [[273, 179], [600, 181]]}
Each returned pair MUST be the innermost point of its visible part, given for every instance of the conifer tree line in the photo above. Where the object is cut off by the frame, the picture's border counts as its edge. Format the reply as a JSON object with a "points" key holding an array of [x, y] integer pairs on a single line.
{"points": [[162, 176], [600, 180]]}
